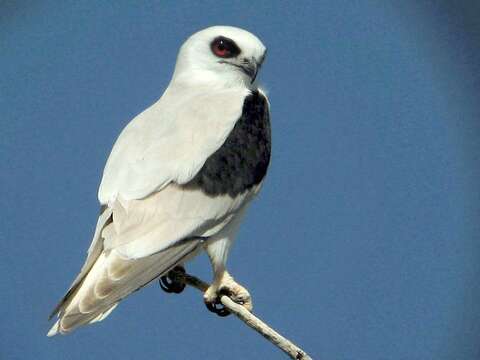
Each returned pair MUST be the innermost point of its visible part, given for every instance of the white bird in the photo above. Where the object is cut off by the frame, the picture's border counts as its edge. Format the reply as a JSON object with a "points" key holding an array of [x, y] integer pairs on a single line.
{"points": [[179, 179]]}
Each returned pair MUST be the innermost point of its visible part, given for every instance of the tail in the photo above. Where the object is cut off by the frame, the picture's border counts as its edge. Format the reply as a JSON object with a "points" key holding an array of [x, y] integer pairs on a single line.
{"points": [[110, 278]]}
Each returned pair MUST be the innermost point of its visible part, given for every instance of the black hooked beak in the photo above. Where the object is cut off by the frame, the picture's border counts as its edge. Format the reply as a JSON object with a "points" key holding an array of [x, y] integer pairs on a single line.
{"points": [[250, 67], [254, 66]]}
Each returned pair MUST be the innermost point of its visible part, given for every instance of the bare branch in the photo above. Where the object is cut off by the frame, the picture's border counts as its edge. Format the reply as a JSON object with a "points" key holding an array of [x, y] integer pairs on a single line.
{"points": [[247, 317]]}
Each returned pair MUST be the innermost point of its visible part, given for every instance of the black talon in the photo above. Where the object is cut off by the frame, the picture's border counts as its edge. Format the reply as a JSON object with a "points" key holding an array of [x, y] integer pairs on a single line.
{"points": [[218, 308], [170, 283], [165, 284], [224, 291]]}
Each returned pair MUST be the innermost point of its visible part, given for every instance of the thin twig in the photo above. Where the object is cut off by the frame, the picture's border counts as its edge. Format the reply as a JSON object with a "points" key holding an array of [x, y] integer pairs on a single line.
{"points": [[248, 318]]}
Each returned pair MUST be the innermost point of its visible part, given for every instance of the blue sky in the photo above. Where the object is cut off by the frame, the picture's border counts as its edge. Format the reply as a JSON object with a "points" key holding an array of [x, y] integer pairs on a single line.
{"points": [[364, 241]]}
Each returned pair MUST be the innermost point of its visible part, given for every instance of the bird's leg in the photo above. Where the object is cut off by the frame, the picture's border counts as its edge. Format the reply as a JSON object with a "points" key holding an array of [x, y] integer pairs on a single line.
{"points": [[172, 281], [224, 284], [235, 291]]}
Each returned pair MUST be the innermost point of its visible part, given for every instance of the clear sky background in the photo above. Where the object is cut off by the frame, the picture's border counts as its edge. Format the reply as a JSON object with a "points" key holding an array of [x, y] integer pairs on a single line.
{"points": [[364, 243]]}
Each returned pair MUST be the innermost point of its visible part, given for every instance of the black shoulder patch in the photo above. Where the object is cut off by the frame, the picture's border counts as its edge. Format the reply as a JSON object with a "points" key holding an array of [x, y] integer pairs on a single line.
{"points": [[242, 161]]}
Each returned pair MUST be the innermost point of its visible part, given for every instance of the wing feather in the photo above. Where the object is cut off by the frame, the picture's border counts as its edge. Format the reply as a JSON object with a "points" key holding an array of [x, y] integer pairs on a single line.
{"points": [[144, 227], [170, 141], [94, 251], [138, 240], [112, 278], [151, 222]]}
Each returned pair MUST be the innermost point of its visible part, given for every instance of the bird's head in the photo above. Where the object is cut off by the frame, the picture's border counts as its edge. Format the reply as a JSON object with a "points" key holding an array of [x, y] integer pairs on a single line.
{"points": [[220, 55]]}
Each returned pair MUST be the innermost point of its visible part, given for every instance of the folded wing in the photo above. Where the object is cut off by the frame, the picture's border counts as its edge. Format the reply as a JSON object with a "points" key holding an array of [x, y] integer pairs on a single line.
{"points": [[170, 141], [151, 222]]}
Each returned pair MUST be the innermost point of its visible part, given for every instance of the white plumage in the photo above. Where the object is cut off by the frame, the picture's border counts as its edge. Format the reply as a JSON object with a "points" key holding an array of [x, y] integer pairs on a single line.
{"points": [[152, 219], [170, 141]]}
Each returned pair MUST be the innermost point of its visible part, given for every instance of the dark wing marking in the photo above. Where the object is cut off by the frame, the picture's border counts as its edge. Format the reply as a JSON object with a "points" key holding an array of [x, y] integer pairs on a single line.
{"points": [[242, 161]]}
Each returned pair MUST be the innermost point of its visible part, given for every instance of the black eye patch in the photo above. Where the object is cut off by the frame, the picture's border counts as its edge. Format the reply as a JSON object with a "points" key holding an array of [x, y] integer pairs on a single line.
{"points": [[224, 47]]}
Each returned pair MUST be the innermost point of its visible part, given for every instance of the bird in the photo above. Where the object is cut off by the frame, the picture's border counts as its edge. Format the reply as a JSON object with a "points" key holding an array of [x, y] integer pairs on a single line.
{"points": [[179, 180]]}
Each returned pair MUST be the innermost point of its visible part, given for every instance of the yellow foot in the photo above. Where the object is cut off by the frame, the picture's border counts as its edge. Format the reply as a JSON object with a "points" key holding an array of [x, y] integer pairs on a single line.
{"points": [[226, 286]]}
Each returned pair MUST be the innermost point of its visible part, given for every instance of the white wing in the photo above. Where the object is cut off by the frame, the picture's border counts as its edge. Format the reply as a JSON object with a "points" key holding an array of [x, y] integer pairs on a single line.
{"points": [[170, 141], [138, 240], [144, 227], [149, 214], [162, 148]]}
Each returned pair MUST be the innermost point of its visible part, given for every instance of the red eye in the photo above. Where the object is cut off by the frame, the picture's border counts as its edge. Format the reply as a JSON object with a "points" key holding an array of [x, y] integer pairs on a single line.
{"points": [[224, 47], [219, 49]]}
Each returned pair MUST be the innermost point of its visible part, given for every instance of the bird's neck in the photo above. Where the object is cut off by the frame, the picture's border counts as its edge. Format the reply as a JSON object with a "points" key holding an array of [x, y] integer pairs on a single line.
{"points": [[210, 79]]}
